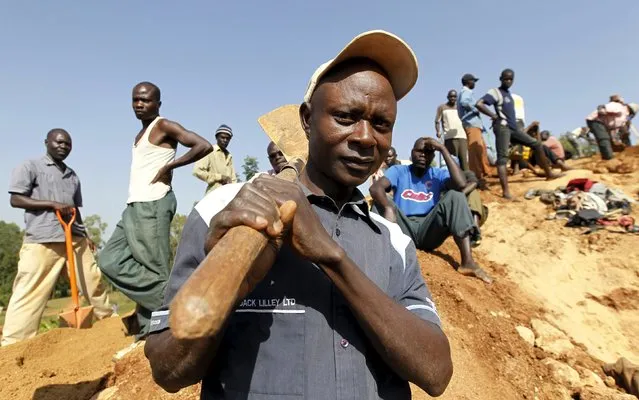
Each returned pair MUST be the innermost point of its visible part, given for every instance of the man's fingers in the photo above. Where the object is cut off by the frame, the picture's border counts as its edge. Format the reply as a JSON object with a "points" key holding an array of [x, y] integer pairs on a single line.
{"points": [[267, 204], [278, 189], [252, 218], [287, 212]]}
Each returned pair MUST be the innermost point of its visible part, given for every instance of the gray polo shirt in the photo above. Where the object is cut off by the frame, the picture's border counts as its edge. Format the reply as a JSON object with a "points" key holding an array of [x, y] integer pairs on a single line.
{"points": [[294, 336], [41, 179]]}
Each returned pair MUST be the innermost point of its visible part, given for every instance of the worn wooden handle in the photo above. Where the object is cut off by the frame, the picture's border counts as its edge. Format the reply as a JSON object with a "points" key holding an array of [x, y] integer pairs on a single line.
{"points": [[207, 298]]}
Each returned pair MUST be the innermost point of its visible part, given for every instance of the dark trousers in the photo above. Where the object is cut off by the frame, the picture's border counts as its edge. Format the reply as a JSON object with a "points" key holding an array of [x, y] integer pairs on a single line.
{"points": [[602, 136], [505, 135], [549, 155], [458, 148], [450, 216]]}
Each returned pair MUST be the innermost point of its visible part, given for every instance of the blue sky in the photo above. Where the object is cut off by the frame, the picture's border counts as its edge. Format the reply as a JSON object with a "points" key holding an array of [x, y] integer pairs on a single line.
{"points": [[73, 64]]}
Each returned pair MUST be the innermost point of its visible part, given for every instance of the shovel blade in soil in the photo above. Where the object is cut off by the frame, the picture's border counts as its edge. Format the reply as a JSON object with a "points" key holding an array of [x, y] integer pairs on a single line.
{"points": [[80, 319]]}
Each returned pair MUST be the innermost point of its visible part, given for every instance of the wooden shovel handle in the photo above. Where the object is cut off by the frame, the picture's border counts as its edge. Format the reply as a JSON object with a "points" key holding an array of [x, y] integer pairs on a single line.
{"points": [[208, 297]]}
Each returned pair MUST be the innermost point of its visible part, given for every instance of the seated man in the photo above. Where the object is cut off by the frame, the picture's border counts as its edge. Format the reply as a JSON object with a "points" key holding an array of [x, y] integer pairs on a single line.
{"points": [[523, 156], [553, 144], [419, 208]]}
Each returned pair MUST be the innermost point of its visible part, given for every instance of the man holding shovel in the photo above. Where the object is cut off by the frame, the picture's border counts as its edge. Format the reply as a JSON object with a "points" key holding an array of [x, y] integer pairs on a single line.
{"points": [[41, 187], [335, 307]]}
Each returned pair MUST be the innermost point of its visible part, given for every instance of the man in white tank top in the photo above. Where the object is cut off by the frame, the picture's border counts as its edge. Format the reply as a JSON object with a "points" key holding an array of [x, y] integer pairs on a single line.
{"points": [[136, 259], [455, 138]]}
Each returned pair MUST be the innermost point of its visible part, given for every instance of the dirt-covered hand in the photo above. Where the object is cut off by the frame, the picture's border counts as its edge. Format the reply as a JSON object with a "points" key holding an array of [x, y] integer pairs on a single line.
{"points": [[307, 236], [254, 209]]}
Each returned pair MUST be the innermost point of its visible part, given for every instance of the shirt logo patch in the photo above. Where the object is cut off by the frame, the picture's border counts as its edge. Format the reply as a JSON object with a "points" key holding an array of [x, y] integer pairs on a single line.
{"points": [[419, 197]]}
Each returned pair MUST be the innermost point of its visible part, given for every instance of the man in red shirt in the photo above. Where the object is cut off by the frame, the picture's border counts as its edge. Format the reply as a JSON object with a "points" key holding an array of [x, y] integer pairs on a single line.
{"points": [[553, 144]]}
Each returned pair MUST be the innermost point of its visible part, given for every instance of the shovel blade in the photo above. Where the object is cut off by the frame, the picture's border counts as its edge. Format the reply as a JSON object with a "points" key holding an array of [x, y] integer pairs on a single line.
{"points": [[80, 319], [283, 127]]}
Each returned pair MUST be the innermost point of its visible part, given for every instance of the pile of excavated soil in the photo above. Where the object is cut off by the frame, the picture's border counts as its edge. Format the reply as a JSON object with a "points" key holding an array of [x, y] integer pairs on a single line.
{"points": [[625, 162], [132, 380], [490, 359], [64, 363], [585, 282]]}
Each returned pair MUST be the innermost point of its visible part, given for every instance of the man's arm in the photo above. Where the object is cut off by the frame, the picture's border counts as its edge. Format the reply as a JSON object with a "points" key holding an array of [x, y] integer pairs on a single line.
{"points": [[469, 188], [27, 203], [179, 363], [176, 364], [199, 147], [21, 187], [466, 102], [483, 108], [378, 192], [438, 120], [457, 177], [458, 180], [202, 171], [417, 350], [484, 102]]}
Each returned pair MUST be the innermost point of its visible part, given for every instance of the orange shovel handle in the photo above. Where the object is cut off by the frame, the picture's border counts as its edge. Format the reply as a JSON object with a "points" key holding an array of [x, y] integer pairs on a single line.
{"points": [[68, 239]]}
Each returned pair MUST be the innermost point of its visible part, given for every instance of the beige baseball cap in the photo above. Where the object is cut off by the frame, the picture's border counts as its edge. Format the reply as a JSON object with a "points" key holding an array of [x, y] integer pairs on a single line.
{"points": [[389, 51], [634, 107]]}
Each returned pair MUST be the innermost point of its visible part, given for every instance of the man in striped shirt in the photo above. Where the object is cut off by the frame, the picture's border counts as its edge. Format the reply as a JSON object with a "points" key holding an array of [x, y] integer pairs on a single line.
{"points": [[342, 310]]}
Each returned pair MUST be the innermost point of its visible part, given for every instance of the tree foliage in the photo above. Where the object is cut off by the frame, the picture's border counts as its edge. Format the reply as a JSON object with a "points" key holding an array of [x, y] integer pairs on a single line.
{"points": [[95, 229], [10, 243], [587, 147], [250, 167]]}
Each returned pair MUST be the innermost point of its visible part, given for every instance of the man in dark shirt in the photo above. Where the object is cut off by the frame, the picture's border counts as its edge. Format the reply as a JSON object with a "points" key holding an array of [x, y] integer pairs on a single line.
{"points": [[342, 311], [506, 129]]}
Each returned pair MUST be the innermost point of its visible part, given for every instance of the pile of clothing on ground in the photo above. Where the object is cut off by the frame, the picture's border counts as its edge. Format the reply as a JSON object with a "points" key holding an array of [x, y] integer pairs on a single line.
{"points": [[591, 204]]}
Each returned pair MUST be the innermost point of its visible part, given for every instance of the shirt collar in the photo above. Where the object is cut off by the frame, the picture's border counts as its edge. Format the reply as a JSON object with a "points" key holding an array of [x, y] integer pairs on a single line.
{"points": [[49, 161], [357, 203]]}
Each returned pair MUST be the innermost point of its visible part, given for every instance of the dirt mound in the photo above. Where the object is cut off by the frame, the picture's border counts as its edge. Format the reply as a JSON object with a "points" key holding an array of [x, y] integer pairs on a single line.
{"points": [[482, 321], [625, 162], [132, 380], [559, 266], [63, 363], [618, 299]]}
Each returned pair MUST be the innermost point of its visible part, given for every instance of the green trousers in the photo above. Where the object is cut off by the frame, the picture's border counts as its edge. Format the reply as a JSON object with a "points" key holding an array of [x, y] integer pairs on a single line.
{"points": [[136, 259], [477, 207], [450, 216]]}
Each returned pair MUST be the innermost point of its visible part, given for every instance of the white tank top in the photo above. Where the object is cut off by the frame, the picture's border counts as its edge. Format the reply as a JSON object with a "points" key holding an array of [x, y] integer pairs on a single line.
{"points": [[146, 162]]}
